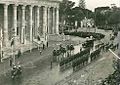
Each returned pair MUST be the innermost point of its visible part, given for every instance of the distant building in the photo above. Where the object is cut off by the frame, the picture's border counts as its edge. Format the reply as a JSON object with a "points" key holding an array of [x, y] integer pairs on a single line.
{"points": [[102, 10], [87, 22]]}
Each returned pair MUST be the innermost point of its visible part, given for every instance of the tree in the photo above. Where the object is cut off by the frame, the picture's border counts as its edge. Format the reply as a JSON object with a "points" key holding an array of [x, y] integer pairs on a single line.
{"points": [[65, 9], [79, 14], [82, 4], [70, 14], [101, 16], [114, 19], [106, 17]]}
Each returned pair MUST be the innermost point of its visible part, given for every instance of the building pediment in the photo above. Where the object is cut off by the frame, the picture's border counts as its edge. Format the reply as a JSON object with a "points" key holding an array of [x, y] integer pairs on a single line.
{"points": [[33, 0], [53, 3]]}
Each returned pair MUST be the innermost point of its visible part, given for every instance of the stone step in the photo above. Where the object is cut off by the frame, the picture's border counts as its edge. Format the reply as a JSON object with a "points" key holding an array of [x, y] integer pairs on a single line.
{"points": [[59, 37], [23, 47]]}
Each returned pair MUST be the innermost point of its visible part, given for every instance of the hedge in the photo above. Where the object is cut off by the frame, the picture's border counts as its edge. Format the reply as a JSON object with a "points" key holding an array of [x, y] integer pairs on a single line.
{"points": [[97, 36]]}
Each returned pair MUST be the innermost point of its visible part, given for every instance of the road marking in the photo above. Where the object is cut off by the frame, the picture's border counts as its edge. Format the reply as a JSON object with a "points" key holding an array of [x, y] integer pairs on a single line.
{"points": [[114, 54], [31, 65], [103, 58]]}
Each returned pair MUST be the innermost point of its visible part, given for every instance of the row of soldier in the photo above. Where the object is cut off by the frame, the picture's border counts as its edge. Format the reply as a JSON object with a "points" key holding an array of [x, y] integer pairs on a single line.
{"points": [[83, 61], [81, 56], [61, 51]]}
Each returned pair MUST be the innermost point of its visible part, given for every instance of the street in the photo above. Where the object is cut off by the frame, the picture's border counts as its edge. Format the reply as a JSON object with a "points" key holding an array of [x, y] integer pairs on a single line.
{"points": [[93, 73], [37, 69]]}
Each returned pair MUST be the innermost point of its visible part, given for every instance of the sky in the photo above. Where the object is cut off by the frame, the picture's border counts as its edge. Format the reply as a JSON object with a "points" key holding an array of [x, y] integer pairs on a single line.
{"points": [[91, 4]]}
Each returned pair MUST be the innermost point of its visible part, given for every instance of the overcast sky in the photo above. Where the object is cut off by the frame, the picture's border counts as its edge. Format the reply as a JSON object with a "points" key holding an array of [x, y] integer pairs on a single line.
{"points": [[91, 4]]}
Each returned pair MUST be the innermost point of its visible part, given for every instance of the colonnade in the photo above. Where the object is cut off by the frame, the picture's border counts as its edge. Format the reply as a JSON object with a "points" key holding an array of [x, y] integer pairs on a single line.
{"points": [[46, 20]]}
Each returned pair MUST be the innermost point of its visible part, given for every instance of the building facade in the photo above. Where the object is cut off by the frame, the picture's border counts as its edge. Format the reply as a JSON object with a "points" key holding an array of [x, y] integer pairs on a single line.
{"points": [[26, 19], [87, 22]]}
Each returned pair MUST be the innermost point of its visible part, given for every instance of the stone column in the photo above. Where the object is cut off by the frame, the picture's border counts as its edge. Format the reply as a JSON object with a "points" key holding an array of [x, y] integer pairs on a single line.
{"points": [[57, 21], [15, 19], [38, 18], [23, 25], [44, 20], [53, 26], [48, 22], [5, 25], [31, 24]]}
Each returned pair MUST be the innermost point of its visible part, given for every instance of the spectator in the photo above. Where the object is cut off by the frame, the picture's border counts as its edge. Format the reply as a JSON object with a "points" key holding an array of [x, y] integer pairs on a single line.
{"points": [[19, 53], [47, 43], [38, 38], [1, 56], [40, 52], [11, 61], [43, 46], [80, 49]]}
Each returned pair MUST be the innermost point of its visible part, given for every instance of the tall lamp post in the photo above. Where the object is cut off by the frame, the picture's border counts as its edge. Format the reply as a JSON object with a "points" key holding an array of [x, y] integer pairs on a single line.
{"points": [[13, 46], [1, 36]]}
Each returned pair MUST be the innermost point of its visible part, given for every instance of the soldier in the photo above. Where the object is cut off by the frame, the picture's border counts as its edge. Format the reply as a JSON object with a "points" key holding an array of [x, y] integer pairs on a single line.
{"points": [[80, 49], [117, 45], [43, 46], [47, 43], [40, 52], [11, 61]]}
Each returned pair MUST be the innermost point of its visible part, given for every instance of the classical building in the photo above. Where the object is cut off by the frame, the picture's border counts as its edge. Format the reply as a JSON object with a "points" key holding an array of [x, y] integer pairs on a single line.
{"points": [[87, 22], [26, 19]]}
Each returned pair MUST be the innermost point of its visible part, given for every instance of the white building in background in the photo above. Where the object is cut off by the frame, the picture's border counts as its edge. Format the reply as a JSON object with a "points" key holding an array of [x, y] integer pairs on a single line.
{"points": [[87, 22], [28, 18]]}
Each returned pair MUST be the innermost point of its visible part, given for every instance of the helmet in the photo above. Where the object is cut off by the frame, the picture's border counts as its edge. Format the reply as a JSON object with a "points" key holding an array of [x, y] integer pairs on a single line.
{"points": [[14, 67], [19, 66]]}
